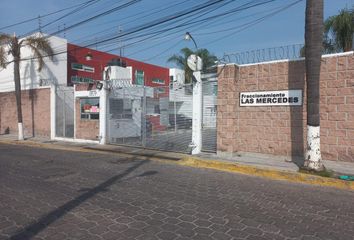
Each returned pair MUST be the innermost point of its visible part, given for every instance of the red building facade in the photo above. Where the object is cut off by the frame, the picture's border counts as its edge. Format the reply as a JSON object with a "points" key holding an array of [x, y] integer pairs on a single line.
{"points": [[142, 73]]}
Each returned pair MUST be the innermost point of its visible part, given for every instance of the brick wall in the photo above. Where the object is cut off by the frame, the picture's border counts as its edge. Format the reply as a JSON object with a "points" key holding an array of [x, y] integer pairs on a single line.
{"points": [[35, 110], [85, 129], [281, 130]]}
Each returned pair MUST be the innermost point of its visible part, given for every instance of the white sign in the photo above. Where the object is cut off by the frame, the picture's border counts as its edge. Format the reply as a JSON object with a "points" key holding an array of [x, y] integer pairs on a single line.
{"points": [[194, 62], [271, 98]]}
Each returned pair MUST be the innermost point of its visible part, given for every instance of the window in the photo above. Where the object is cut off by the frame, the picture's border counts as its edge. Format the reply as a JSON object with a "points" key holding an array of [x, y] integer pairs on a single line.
{"points": [[78, 80], [215, 90], [90, 108], [157, 109], [139, 77], [158, 81], [160, 90], [81, 67], [120, 108]]}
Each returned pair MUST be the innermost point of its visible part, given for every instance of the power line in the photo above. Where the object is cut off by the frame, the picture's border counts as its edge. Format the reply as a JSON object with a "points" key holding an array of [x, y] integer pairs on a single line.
{"points": [[158, 10], [144, 26], [200, 12], [87, 4], [42, 16], [98, 16], [160, 21], [193, 22], [159, 54], [248, 24], [252, 23], [165, 30]]}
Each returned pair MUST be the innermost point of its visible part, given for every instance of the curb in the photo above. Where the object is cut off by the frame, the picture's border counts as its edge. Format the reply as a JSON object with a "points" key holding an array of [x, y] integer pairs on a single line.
{"points": [[266, 173], [128, 156], [209, 164]]}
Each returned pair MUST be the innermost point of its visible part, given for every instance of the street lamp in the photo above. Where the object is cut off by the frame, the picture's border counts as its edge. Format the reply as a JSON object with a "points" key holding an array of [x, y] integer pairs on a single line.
{"points": [[88, 56], [195, 64], [188, 37]]}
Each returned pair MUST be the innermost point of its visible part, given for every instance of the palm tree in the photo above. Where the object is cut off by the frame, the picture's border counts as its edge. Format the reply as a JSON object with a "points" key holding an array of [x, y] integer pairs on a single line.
{"points": [[340, 28], [313, 46], [11, 45], [338, 33], [181, 61]]}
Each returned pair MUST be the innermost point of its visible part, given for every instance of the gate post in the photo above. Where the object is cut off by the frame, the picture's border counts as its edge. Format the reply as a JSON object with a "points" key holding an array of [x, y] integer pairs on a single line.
{"points": [[103, 107], [53, 93], [143, 117], [197, 114]]}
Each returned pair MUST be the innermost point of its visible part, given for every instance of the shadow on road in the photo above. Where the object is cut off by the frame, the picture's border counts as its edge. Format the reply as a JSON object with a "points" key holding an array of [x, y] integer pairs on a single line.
{"points": [[42, 223]]}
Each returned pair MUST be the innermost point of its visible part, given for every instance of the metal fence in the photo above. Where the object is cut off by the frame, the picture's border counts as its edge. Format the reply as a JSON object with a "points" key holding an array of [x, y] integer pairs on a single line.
{"points": [[151, 117], [64, 112]]}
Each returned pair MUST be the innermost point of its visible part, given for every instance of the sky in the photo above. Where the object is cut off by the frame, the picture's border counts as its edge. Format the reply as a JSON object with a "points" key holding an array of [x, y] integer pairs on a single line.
{"points": [[257, 24]]}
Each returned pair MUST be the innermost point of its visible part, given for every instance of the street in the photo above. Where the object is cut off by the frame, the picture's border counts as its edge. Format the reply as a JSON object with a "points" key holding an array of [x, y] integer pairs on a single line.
{"points": [[54, 194]]}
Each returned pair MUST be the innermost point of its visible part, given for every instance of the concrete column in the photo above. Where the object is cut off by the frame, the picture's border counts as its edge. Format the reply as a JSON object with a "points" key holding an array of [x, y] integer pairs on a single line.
{"points": [[52, 111], [197, 114], [103, 110], [103, 114]]}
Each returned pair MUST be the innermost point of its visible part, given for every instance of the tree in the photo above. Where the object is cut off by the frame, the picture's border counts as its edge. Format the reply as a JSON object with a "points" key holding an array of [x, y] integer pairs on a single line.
{"points": [[339, 30], [313, 52], [338, 33], [181, 61], [11, 45]]}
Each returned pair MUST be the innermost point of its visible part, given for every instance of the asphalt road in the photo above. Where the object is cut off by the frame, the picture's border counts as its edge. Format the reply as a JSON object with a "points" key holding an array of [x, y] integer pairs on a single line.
{"points": [[52, 194]]}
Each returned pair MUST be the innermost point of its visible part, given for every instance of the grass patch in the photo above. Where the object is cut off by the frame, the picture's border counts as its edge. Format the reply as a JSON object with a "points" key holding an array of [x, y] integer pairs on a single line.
{"points": [[324, 173]]}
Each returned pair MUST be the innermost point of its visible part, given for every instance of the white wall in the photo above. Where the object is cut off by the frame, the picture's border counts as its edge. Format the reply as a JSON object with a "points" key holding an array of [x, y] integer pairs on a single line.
{"points": [[121, 73], [53, 71], [177, 76], [184, 100]]}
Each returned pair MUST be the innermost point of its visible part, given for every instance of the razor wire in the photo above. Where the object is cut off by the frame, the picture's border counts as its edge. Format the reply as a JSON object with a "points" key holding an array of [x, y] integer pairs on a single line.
{"points": [[288, 52]]}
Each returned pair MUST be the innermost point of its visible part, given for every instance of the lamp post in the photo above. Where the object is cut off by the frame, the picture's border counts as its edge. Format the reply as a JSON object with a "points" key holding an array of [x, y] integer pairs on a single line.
{"points": [[188, 37], [195, 64]]}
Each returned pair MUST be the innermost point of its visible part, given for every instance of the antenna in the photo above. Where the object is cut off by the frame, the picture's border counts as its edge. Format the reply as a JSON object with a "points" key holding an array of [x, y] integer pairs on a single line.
{"points": [[39, 24], [120, 43]]}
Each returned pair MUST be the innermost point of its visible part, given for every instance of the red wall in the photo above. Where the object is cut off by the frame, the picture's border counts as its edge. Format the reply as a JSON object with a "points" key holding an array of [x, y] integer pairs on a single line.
{"points": [[77, 54]]}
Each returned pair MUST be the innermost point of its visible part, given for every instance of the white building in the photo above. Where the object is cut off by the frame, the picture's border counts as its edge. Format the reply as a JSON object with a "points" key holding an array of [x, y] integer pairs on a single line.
{"points": [[181, 96], [54, 71]]}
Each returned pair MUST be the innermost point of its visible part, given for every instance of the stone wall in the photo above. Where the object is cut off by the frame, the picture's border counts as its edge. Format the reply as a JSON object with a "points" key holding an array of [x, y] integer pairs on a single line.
{"points": [[281, 130], [35, 110]]}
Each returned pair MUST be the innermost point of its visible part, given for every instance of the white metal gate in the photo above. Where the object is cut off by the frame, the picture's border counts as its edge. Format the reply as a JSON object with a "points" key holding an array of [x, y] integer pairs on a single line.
{"points": [[151, 117], [64, 112], [209, 131]]}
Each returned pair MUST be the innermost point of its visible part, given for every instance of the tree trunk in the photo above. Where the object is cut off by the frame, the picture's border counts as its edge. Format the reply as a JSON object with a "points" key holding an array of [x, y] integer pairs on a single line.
{"points": [[313, 52], [17, 80]]}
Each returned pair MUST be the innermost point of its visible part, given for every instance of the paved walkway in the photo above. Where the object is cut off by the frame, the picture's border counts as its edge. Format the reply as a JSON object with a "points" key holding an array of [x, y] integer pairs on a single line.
{"points": [[259, 161]]}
